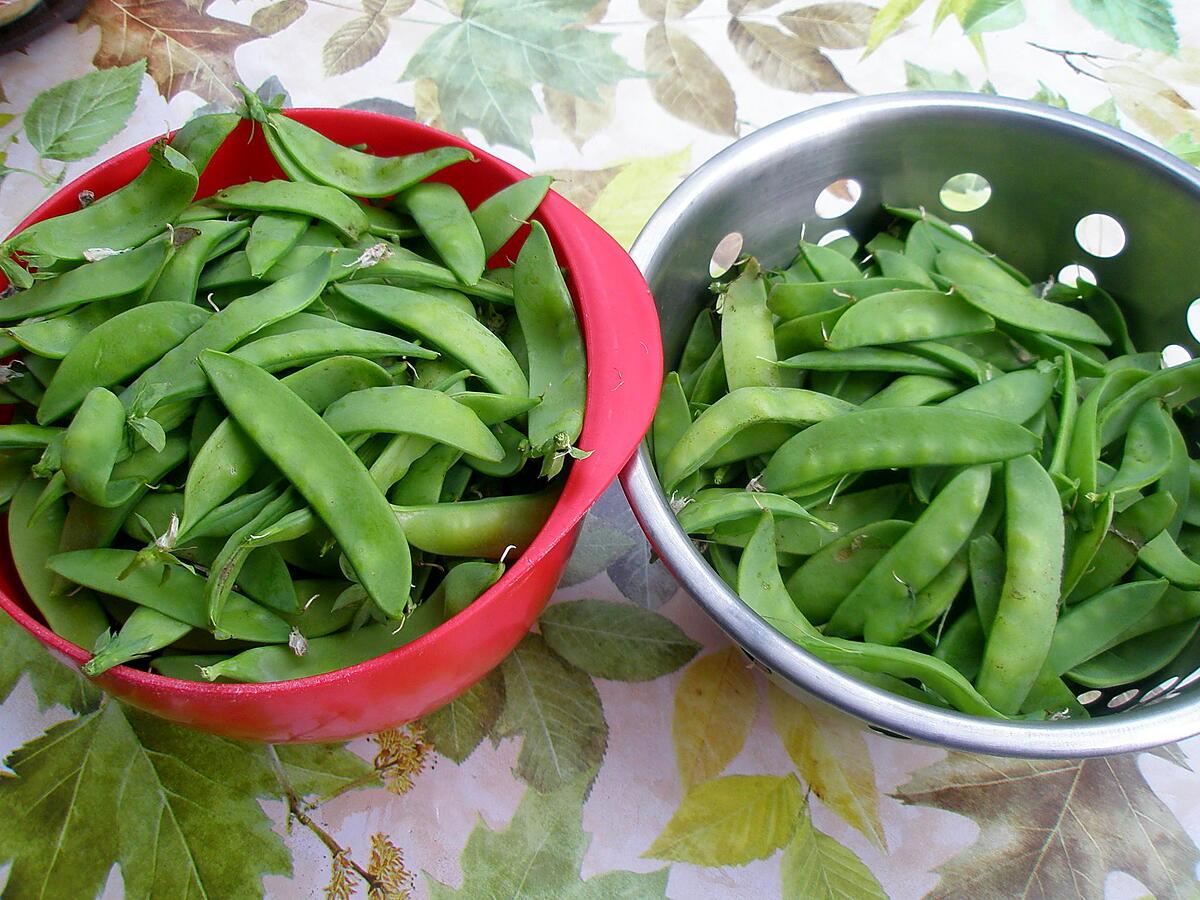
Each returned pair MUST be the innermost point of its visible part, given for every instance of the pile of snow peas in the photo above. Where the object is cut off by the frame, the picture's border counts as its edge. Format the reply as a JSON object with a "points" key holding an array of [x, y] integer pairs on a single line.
{"points": [[954, 484], [286, 428]]}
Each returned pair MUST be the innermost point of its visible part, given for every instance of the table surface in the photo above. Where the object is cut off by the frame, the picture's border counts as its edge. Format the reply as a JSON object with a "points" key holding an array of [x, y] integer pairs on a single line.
{"points": [[758, 794]]}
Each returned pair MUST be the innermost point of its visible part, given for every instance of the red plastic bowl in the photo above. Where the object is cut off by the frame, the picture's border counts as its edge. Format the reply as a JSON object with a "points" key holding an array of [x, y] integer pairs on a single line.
{"points": [[620, 329]]}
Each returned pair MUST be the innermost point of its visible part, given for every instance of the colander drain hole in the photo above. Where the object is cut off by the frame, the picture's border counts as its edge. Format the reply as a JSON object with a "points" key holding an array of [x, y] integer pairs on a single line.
{"points": [[1122, 698], [725, 254], [836, 235], [1088, 697], [965, 192], [1074, 273], [1100, 235], [838, 198], [1174, 355]]}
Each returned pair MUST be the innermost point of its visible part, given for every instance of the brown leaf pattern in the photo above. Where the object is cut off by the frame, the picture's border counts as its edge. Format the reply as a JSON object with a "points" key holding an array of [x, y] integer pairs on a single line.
{"points": [[660, 10], [577, 118], [836, 26], [185, 50], [1054, 829], [785, 61], [278, 16], [688, 84], [582, 186]]}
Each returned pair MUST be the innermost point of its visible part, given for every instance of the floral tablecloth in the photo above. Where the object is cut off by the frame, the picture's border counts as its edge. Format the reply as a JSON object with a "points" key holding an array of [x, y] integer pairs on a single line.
{"points": [[578, 769]]}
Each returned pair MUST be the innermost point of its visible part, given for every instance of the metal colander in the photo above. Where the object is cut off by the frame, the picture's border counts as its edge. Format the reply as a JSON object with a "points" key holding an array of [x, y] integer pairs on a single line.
{"points": [[1048, 172]]}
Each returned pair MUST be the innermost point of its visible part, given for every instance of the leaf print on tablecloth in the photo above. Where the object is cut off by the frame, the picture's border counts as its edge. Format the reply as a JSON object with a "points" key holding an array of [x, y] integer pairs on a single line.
{"points": [[785, 61], [731, 821], [460, 726], [1150, 103], [835, 26], [1055, 828], [184, 49], [715, 705], [977, 16], [687, 83], [359, 41], [580, 119], [278, 16], [52, 682], [1143, 23], [486, 64], [539, 854], [616, 641], [628, 201], [1186, 147], [72, 120], [1106, 112], [1049, 96], [660, 10], [817, 867], [600, 543], [890, 18], [319, 770], [555, 708], [829, 751], [918, 78]]}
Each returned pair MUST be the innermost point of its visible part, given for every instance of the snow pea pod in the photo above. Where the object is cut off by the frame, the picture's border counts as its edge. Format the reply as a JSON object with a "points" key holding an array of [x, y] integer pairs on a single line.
{"points": [[464, 584], [184, 666], [324, 470], [500, 215], [22, 436], [1176, 386], [900, 316], [890, 438], [93, 442], [789, 301], [961, 645], [894, 264], [1033, 314], [515, 445], [201, 137], [672, 418], [746, 332], [1135, 659], [79, 618], [828, 264], [880, 604], [934, 600], [827, 577], [112, 276], [1162, 556], [55, 337], [953, 358], [447, 329], [300, 348], [865, 359], [479, 528], [352, 171], [181, 275], [1147, 454], [1131, 530], [1093, 626], [1067, 411], [146, 631], [807, 333], [701, 342], [401, 409], [272, 235], [942, 236], [445, 221], [737, 411], [403, 268], [1104, 309], [1089, 361], [959, 265], [173, 591], [557, 364], [1084, 543], [315, 201], [117, 349], [128, 217], [715, 506], [422, 481], [1021, 634], [179, 369], [912, 390]]}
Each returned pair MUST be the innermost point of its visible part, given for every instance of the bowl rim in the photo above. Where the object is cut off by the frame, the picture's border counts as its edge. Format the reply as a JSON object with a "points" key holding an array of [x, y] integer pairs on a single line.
{"points": [[1131, 730], [562, 219]]}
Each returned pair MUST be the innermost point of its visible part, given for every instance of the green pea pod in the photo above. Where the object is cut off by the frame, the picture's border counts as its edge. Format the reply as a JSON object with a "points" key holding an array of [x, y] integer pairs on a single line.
{"points": [[445, 221], [865, 359], [828, 264], [1093, 626], [710, 383], [747, 333], [732, 415], [464, 584], [408, 410], [301, 348], [229, 458], [962, 266], [387, 224], [119, 348], [271, 237], [1176, 480], [184, 666], [1134, 660], [1118, 552], [1104, 309], [1067, 412], [1147, 453], [265, 578], [808, 333], [111, 276], [22, 436], [179, 368], [701, 342], [313, 200], [500, 215], [716, 506], [1089, 361], [912, 390], [954, 359], [1162, 556], [478, 528], [452, 332], [1084, 544], [901, 316], [1175, 386], [961, 644], [91, 447], [54, 338], [941, 236], [919, 246], [514, 444], [933, 602], [128, 217], [79, 618], [827, 577], [181, 275], [672, 419], [1020, 637], [173, 591], [199, 139], [146, 631], [14, 470], [352, 171], [894, 264], [401, 267], [324, 470], [421, 484], [879, 606], [1032, 314], [789, 301]]}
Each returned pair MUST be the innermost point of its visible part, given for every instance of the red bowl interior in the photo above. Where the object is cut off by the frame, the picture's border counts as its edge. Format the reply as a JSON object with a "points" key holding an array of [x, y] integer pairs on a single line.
{"points": [[620, 329]]}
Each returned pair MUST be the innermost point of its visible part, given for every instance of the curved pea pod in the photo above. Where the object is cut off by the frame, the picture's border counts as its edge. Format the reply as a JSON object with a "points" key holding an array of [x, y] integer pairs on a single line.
{"points": [[1175, 386], [111, 276], [892, 438], [325, 472], [1032, 314], [894, 265], [22, 436], [790, 301], [515, 446], [1162, 556], [479, 528], [716, 506], [1084, 543], [178, 372], [408, 410], [1135, 659], [952, 358], [500, 215], [91, 447], [184, 666], [201, 137], [313, 200], [941, 236], [912, 390], [865, 359], [747, 333], [709, 383], [934, 600], [1147, 454], [445, 221], [736, 412], [271, 237], [1089, 361], [827, 577], [146, 631], [1176, 480], [172, 590], [672, 418], [701, 342], [55, 337], [828, 264], [421, 483], [127, 217], [79, 618], [1014, 396], [1098, 623], [301, 348], [401, 267], [447, 329], [181, 275], [117, 349], [352, 171], [464, 584], [963, 266], [1118, 552], [1104, 309], [557, 365], [807, 333], [880, 604], [229, 457], [1020, 636], [901, 316]]}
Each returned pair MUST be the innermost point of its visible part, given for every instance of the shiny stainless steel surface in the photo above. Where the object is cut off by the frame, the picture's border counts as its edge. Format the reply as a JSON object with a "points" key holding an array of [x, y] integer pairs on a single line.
{"points": [[1047, 169]]}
